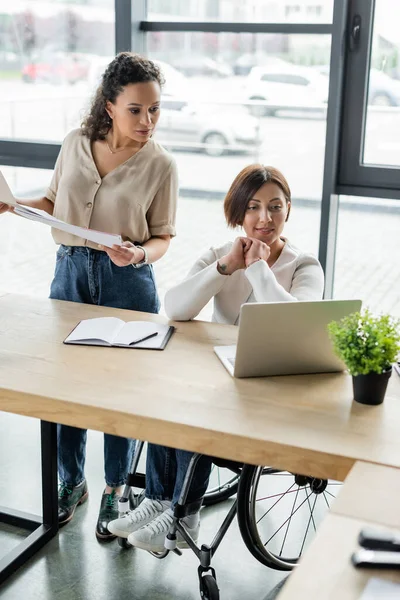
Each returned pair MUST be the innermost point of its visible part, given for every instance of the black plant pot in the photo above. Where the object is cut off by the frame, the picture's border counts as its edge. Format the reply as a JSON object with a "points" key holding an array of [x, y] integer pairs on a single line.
{"points": [[371, 388]]}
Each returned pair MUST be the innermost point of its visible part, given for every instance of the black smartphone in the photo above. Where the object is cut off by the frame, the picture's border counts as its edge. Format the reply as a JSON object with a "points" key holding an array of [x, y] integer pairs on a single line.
{"points": [[373, 559], [376, 539]]}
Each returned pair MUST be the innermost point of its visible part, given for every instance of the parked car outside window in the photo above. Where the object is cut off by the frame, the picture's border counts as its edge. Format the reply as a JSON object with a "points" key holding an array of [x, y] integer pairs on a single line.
{"points": [[287, 88], [56, 68], [211, 128], [193, 65], [383, 90]]}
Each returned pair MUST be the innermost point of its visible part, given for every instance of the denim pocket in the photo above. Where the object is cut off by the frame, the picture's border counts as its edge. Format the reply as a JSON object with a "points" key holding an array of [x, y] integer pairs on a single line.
{"points": [[61, 253]]}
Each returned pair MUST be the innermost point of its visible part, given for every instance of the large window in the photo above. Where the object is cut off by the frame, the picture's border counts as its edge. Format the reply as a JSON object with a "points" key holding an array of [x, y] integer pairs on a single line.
{"points": [[369, 156], [382, 144], [51, 56], [367, 263], [27, 251], [221, 114], [311, 87], [257, 11]]}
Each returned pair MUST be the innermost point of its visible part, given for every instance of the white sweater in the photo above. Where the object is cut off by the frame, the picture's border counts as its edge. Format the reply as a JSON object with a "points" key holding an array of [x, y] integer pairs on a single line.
{"points": [[294, 276]]}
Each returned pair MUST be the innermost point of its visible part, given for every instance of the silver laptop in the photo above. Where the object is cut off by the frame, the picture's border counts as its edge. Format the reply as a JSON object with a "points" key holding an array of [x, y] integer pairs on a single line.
{"points": [[285, 338]]}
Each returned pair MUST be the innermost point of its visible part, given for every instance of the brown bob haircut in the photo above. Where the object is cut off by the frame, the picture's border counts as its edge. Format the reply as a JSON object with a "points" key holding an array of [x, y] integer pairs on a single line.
{"points": [[246, 185]]}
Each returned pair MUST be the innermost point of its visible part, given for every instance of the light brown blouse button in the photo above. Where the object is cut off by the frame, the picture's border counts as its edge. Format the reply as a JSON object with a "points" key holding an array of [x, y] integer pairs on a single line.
{"points": [[89, 205]]}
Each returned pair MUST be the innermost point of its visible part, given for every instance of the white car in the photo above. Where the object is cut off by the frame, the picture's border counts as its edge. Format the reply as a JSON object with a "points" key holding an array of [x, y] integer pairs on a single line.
{"points": [[214, 129], [285, 88]]}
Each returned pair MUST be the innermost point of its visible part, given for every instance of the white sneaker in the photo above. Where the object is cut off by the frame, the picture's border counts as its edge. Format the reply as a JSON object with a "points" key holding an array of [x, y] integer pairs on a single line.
{"points": [[137, 518], [151, 537]]}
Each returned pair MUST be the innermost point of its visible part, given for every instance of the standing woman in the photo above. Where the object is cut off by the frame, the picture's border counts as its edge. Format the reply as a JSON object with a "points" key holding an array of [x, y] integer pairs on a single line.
{"points": [[111, 176]]}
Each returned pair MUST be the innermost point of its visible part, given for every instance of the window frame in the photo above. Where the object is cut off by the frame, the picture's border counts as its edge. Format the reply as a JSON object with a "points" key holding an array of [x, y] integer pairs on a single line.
{"points": [[355, 177]]}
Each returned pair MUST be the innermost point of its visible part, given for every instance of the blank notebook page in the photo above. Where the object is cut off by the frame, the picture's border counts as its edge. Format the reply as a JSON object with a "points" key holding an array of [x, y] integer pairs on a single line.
{"points": [[135, 331], [105, 328]]}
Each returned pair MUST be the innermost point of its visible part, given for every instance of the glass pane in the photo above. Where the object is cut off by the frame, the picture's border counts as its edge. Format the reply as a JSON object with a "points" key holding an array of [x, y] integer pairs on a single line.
{"points": [[27, 249], [214, 129], [382, 144], [257, 11], [51, 55], [367, 254]]}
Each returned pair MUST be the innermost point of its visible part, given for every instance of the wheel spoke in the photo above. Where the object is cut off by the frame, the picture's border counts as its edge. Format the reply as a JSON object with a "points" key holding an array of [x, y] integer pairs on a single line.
{"points": [[311, 519], [290, 520], [326, 492], [284, 523], [327, 503], [286, 535], [312, 511], [289, 491], [275, 503]]}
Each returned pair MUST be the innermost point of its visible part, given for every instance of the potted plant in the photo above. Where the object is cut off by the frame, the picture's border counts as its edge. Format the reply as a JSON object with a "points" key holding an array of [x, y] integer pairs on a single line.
{"points": [[368, 345]]}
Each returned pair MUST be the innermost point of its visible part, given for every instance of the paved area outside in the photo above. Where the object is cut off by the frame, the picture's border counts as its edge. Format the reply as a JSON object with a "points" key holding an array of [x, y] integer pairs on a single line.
{"points": [[367, 265]]}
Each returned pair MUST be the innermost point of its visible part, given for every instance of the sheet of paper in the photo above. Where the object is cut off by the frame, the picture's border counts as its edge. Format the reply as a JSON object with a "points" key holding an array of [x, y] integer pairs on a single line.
{"points": [[381, 589], [35, 214], [5, 192], [104, 328], [98, 237], [133, 331]]}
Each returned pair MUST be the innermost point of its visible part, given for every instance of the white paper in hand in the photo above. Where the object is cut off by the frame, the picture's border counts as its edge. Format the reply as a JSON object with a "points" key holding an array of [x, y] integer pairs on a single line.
{"points": [[98, 237], [35, 214], [5, 193]]}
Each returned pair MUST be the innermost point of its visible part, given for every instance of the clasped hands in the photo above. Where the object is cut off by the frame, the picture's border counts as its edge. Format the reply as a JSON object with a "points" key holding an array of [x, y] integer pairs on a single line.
{"points": [[125, 254], [244, 252]]}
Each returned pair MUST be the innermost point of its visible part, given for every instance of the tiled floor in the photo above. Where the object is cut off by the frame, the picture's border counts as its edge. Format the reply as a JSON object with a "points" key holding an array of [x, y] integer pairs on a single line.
{"points": [[74, 566]]}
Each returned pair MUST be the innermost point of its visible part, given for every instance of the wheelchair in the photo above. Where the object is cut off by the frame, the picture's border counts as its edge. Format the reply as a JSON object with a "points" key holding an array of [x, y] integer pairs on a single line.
{"points": [[262, 493]]}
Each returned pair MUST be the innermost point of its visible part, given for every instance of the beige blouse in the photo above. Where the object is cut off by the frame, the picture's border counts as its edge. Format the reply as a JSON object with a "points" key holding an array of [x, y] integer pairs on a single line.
{"points": [[136, 200]]}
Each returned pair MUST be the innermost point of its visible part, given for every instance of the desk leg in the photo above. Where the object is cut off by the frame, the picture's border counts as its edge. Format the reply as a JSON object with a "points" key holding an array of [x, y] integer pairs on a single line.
{"points": [[42, 529]]}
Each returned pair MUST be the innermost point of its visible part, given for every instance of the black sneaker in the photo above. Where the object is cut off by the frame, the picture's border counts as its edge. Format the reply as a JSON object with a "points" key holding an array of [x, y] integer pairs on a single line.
{"points": [[108, 512], [68, 499]]}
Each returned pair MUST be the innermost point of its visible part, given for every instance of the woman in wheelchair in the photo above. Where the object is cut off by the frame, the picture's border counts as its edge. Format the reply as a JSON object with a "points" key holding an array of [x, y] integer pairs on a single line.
{"points": [[260, 266]]}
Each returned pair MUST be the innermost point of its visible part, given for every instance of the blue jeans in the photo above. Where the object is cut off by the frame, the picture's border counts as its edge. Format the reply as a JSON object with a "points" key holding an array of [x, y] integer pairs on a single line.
{"points": [[165, 473], [89, 276]]}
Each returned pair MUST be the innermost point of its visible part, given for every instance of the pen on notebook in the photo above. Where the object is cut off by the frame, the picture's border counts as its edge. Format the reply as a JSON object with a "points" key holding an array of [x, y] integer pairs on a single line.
{"points": [[143, 339]]}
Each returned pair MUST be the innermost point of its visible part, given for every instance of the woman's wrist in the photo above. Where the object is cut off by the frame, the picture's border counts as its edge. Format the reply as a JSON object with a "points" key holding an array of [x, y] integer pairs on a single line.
{"points": [[251, 262], [224, 267], [142, 256]]}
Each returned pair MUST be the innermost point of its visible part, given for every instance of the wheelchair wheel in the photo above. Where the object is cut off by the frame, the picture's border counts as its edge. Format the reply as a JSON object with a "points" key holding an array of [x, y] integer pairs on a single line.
{"points": [[209, 588], [278, 513], [223, 484]]}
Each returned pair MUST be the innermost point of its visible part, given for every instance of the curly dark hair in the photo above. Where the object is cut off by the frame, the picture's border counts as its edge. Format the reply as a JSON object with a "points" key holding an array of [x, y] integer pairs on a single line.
{"points": [[124, 69]]}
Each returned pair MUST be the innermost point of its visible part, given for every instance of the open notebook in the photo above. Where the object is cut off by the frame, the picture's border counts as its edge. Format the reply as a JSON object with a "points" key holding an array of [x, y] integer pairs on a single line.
{"points": [[110, 331]]}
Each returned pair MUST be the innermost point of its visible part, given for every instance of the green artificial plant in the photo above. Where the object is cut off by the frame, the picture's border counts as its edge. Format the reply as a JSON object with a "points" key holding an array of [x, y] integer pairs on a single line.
{"points": [[366, 343]]}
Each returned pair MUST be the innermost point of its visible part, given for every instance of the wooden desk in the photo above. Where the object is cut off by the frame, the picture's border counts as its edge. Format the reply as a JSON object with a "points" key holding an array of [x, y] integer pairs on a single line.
{"points": [[369, 497], [184, 397], [325, 571]]}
